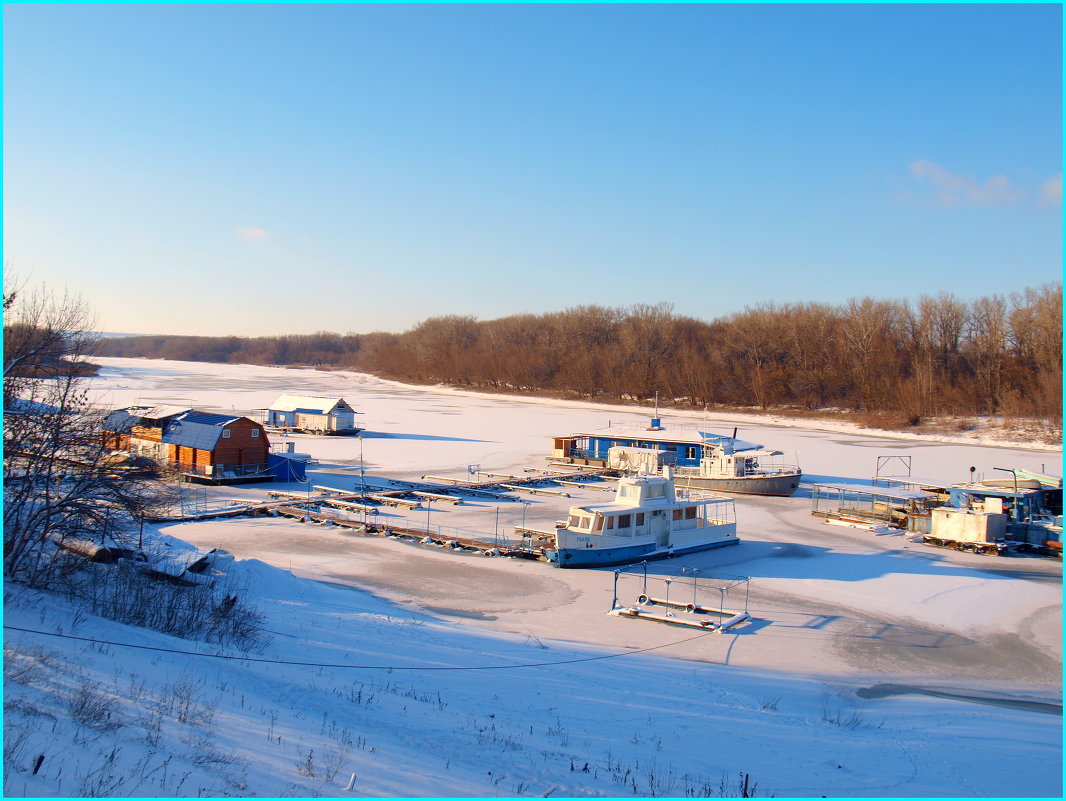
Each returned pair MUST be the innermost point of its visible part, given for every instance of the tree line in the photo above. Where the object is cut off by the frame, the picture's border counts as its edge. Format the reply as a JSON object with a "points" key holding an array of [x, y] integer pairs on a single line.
{"points": [[934, 356]]}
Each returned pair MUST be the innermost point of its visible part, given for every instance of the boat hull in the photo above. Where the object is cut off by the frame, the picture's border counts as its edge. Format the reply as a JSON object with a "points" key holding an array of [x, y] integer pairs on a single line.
{"points": [[623, 555], [781, 485]]}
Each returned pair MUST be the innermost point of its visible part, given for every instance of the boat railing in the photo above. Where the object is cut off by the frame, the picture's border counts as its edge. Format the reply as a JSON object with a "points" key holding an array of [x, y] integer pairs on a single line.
{"points": [[774, 469], [691, 494]]}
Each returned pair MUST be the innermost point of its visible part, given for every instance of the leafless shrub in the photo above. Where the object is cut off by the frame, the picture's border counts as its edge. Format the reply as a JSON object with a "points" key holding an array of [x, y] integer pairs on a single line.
{"points": [[90, 707], [744, 788], [214, 611], [102, 780], [16, 741], [203, 750], [306, 764], [27, 664], [334, 758], [184, 700], [835, 714], [769, 704]]}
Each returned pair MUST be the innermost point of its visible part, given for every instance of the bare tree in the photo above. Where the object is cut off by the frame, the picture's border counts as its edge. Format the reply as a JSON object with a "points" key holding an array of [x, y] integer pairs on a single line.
{"points": [[60, 486]]}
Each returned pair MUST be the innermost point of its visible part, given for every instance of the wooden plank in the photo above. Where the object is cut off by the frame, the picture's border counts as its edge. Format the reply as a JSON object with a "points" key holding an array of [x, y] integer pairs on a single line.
{"points": [[448, 480], [535, 490], [582, 485], [390, 500], [435, 497]]}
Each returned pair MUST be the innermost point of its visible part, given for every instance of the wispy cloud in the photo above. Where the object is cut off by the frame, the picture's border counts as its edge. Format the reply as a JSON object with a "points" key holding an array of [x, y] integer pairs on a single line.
{"points": [[1051, 191], [251, 234], [955, 189]]}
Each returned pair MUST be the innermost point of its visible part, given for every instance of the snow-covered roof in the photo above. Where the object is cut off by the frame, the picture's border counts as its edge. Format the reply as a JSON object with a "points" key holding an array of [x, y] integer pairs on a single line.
{"points": [[158, 412], [308, 403], [199, 430], [728, 443], [24, 406], [122, 420]]}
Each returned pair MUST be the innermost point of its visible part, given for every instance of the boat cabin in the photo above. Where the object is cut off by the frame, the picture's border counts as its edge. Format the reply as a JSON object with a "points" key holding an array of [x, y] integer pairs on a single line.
{"points": [[648, 504]]}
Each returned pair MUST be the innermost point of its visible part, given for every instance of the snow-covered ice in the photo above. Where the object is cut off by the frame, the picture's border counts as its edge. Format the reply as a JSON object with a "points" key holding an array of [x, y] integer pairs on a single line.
{"points": [[873, 665]]}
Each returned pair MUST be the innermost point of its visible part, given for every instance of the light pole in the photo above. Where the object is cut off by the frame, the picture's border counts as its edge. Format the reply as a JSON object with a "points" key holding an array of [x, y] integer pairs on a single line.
{"points": [[362, 470]]}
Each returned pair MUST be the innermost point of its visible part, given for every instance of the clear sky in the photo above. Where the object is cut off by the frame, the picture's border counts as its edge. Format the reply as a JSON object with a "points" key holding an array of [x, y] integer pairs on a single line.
{"points": [[271, 169]]}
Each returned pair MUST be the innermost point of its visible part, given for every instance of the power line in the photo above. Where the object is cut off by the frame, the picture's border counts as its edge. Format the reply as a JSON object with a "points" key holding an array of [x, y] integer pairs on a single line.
{"points": [[352, 667]]}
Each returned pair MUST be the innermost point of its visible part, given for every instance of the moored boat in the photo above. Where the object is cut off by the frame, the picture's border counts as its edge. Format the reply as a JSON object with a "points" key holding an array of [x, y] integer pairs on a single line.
{"points": [[730, 465], [701, 460], [648, 519]]}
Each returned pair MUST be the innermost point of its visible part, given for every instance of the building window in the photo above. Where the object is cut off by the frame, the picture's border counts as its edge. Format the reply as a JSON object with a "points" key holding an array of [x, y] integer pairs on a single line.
{"points": [[226, 433], [255, 433]]}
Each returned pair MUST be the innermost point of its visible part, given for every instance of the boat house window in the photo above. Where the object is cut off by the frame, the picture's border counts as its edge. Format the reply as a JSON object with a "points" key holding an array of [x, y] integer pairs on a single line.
{"points": [[598, 524], [628, 491], [656, 491], [610, 522], [624, 521], [640, 518], [690, 452], [690, 512], [677, 514]]}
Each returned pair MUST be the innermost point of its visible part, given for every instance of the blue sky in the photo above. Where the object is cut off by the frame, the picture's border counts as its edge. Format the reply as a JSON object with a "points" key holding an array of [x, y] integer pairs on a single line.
{"points": [[270, 169]]}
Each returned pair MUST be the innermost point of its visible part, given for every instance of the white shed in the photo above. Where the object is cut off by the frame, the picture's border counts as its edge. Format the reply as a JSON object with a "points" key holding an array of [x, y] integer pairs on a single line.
{"points": [[312, 413]]}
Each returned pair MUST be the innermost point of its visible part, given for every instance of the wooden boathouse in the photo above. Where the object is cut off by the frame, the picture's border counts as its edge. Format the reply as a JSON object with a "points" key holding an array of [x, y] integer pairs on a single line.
{"points": [[217, 448]]}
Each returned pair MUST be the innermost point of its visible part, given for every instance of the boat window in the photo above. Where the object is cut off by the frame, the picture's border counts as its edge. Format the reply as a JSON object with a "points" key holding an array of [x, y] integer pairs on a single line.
{"points": [[575, 521], [656, 491], [690, 512], [610, 522], [690, 453], [640, 518], [597, 524], [624, 521], [677, 514], [628, 491]]}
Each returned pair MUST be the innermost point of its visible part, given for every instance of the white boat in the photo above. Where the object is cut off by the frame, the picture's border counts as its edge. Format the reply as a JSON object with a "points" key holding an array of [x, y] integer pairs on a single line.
{"points": [[648, 519], [731, 465]]}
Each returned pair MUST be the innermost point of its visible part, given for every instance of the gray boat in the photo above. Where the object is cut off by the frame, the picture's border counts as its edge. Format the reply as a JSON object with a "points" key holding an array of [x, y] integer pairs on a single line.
{"points": [[729, 465]]}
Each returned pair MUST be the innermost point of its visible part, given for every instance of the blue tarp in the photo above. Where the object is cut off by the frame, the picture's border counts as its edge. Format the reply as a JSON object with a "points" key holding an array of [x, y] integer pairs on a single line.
{"points": [[286, 469]]}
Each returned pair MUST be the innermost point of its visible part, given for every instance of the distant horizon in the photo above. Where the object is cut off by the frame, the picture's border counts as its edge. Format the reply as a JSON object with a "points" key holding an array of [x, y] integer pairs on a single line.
{"points": [[236, 170]]}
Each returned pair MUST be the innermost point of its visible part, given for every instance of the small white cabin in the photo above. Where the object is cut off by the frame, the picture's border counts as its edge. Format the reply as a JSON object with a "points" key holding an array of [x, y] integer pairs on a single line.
{"points": [[311, 413]]}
